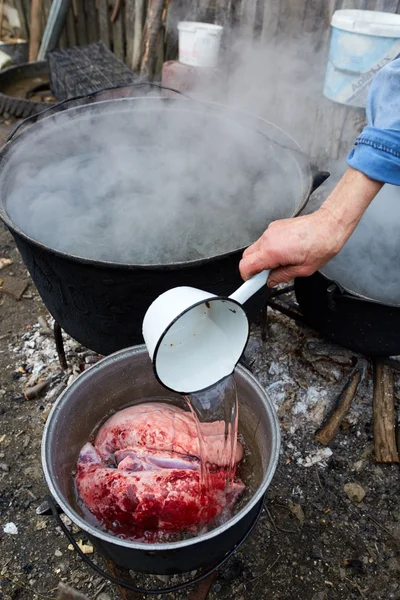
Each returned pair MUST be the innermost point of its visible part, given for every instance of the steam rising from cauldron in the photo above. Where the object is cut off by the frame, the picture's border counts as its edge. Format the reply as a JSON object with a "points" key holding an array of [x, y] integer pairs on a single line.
{"points": [[142, 189], [148, 187]]}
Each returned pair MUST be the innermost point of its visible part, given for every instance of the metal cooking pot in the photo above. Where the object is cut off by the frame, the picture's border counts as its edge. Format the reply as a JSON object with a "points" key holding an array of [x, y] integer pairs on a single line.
{"points": [[123, 379], [102, 304], [363, 326], [355, 299]]}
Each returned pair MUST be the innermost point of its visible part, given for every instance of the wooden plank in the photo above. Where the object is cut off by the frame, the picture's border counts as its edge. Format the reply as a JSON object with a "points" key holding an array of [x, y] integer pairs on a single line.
{"points": [[27, 9], [292, 15], [138, 33], [81, 23], [203, 10], [271, 17], [71, 31], [223, 14], [35, 29], [129, 29], [153, 27], [118, 34], [104, 29], [91, 21], [22, 17], [248, 11], [357, 4], [317, 19]]}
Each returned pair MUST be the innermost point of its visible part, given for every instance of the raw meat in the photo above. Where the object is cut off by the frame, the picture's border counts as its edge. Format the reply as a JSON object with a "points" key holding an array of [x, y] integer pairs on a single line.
{"points": [[159, 426], [141, 479]]}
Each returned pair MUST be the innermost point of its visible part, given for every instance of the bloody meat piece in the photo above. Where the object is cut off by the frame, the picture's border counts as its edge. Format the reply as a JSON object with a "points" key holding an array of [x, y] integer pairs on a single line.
{"points": [[141, 478], [159, 500], [159, 426]]}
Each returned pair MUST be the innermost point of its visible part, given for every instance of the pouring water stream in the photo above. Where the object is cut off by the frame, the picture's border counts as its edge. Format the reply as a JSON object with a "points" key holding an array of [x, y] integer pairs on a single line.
{"points": [[195, 339]]}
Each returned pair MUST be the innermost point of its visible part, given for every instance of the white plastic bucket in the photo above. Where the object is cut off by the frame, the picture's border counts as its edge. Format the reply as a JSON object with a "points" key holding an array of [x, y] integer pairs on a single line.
{"points": [[199, 43], [362, 42]]}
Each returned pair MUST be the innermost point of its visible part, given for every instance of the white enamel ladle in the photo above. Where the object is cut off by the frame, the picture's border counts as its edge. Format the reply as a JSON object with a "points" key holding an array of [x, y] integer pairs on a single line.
{"points": [[194, 338]]}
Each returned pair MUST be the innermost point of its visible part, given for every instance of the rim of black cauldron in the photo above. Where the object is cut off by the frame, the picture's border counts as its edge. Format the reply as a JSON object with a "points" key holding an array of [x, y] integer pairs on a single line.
{"points": [[11, 144]]}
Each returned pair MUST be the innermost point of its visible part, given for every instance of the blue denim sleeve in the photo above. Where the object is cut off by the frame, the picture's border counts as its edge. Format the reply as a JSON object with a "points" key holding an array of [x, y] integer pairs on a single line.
{"points": [[376, 152]]}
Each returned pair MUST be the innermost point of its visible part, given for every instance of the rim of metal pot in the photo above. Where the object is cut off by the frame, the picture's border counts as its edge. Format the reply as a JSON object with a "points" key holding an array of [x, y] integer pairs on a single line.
{"points": [[361, 297], [163, 266], [85, 526]]}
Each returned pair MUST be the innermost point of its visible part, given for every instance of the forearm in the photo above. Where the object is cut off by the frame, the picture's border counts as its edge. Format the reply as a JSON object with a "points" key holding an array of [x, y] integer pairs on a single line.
{"points": [[376, 152], [349, 200]]}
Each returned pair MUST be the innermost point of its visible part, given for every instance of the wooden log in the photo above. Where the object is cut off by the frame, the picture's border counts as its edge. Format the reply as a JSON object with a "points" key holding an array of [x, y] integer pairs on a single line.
{"points": [[129, 29], [104, 29], [151, 36], [137, 34], [35, 29], [329, 429], [384, 415]]}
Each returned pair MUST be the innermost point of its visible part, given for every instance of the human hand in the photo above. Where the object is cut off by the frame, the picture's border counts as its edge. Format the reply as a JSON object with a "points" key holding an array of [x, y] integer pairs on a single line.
{"points": [[294, 247], [298, 247]]}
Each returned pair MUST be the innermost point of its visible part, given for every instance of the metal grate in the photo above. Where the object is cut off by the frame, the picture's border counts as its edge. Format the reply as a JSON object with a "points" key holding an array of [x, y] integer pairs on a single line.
{"points": [[83, 70]]}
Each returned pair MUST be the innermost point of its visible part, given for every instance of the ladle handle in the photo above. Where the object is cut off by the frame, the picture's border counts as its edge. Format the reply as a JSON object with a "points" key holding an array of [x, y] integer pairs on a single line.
{"points": [[250, 287]]}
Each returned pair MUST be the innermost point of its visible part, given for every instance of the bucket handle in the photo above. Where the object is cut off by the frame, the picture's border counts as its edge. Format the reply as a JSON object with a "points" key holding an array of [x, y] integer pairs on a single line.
{"points": [[58, 105], [154, 591]]}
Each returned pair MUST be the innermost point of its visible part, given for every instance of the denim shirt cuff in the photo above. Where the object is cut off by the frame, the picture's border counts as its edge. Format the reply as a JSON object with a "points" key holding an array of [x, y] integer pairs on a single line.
{"points": [[377, 155]]}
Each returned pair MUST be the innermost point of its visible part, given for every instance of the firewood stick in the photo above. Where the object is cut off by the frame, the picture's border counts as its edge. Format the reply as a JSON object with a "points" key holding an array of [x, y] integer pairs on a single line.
{"points": [[153, 26], [331, 426], [35, 29], [384, 415]]}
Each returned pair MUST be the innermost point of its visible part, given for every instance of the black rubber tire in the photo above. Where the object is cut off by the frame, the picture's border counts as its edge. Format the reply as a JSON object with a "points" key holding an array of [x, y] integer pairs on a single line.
{"points": [[21, 108]]}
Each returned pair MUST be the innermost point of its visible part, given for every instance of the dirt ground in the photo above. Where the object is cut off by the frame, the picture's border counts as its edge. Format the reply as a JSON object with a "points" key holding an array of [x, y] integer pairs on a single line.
{"points": [[312, 542]]}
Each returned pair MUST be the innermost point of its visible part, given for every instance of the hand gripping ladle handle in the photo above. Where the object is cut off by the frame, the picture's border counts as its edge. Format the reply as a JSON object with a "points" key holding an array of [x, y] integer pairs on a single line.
{"points": [[250, 287]]}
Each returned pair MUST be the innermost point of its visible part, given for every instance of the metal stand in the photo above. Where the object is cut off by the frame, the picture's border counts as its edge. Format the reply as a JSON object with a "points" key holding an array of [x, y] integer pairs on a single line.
{"points": [[199, 591], [60, 346]]}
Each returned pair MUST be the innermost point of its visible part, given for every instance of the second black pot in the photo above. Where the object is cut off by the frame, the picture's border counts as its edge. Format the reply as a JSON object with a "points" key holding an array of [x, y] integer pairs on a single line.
{"points": [[360, 325]]}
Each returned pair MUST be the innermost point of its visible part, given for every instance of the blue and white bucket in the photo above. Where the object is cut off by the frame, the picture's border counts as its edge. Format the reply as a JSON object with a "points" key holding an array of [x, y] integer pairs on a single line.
{"points": [[362, 42]]}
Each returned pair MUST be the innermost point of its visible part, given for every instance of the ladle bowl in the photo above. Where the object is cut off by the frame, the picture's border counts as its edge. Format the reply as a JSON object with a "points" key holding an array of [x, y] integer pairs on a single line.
{"points": [[194, 338]]}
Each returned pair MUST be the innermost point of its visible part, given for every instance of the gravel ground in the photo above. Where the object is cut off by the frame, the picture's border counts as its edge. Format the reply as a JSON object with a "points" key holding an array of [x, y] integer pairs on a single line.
{"points": [[312, 541]]}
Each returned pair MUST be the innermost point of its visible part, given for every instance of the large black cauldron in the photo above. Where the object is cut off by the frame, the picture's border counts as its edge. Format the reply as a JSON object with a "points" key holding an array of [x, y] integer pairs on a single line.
{"points": [[101, 304]]}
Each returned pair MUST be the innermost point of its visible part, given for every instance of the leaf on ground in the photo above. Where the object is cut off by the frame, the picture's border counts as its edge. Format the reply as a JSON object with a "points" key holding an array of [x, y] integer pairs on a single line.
{"points": [[297, 511]]}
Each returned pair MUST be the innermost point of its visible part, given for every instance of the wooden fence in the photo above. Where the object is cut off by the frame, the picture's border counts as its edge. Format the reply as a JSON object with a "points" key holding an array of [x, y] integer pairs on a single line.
{"points": [[136, 30], [118, 22]]}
